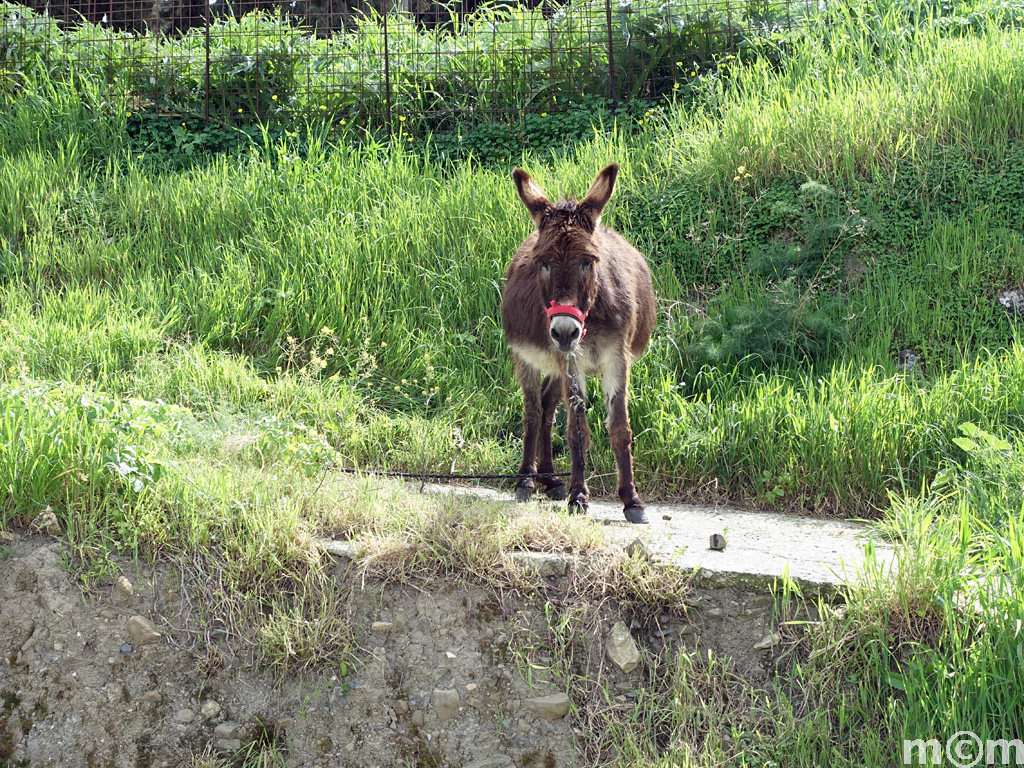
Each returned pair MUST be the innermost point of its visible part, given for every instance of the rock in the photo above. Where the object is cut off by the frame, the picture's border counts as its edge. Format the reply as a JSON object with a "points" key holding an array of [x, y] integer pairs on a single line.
{"points": [[184, 716], [227, 730], [154, 696], [716, 613], [401, 707], [381, 626], [284, 724], [550, 707], [344, 550], [210, 709], [47, 521], [541, 563], [1012, 300], [471, 687], [228, 745], [142, 630], [717, 542], [126, 649], [907, 359], [768, 641], [445, 702], [124, 587], [622, 648], [637, 548], [418, 718]]}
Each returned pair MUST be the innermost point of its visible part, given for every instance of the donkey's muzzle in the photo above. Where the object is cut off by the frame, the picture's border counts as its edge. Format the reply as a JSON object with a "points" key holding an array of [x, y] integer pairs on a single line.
{"points": [[566, 332], [566, 326]]}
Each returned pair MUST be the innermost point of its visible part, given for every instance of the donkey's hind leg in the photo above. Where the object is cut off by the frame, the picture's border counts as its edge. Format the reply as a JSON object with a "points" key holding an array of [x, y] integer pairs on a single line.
{"points": [[616, 387], [551, 394]]}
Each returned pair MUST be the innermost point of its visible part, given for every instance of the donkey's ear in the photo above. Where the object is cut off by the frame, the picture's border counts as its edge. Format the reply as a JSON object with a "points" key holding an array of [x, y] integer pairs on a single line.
{"points": [[531, 194], [600, 192]]}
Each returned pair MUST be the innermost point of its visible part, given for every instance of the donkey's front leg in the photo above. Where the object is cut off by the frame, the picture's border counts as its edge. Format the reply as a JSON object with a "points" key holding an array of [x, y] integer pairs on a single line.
{"points": [[551, 395], [530, 381], [578, 432], [616, 388]]}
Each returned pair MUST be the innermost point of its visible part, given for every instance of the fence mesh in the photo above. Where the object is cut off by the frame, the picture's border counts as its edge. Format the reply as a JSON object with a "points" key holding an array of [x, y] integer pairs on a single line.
{"points": [[384, 64]]}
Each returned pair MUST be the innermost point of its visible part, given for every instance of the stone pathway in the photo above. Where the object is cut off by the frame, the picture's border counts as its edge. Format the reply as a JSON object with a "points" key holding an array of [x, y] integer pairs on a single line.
{"points": [[760, 546]]}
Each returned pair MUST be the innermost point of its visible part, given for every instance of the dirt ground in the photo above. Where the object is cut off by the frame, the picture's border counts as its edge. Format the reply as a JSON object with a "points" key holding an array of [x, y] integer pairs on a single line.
{"points": [[108, 678]]}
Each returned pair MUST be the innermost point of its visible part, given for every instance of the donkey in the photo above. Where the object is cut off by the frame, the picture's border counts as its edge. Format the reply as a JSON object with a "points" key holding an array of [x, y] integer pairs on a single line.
{"points": [[578, 302]]}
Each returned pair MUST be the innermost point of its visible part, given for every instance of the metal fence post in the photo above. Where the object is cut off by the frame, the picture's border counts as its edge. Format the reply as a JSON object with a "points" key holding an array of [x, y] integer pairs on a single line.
{"points": [[612, 89], [206, 99], [387, 71]]}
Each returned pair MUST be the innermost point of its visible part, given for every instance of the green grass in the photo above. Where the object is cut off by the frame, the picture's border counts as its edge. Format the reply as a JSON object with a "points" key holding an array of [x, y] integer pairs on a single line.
{"points": [[186, 349]]}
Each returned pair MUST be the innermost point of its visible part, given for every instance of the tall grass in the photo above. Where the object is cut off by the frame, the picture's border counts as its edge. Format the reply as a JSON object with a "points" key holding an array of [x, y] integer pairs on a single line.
{"points": [[376, 273]]}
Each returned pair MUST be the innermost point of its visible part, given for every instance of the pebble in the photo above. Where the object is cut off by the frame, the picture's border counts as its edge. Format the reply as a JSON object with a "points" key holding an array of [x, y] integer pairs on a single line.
{"points": [[417, 717], [227, 730], [142, 630], [768, 641], [636, 548], [210, 709], [153, 696], [401, 707], [622, 648], [126, 648], [382, 626], [550, 707], [445, 703], [124, 587], [184, 716]]}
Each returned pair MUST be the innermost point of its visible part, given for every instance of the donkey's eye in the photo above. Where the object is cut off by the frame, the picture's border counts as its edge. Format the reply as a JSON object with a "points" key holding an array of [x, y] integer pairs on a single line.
{"points": [[543, 268], [584, 267]]}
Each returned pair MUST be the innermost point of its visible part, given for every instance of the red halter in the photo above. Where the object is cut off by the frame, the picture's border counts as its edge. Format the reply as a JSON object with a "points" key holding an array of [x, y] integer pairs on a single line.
{"points": [[568, 309]]}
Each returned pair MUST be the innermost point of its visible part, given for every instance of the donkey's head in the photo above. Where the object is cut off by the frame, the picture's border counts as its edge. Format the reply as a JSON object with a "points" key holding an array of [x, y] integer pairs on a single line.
{"points": [[566, 254]]}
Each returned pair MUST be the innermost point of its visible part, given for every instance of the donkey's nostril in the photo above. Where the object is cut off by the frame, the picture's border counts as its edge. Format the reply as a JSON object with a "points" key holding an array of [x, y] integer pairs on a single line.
{"points": [[565, 333]]}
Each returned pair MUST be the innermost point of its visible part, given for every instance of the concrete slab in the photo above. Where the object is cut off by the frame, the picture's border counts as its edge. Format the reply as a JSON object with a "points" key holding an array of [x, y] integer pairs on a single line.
{"points": [[819, 555]]}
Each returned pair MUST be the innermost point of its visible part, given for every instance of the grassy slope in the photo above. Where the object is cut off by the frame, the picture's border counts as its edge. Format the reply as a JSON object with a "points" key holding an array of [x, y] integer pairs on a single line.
{"points": [[346, 301]]}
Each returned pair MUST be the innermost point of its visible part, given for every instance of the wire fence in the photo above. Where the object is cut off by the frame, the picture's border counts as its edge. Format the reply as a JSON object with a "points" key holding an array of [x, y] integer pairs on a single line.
{"points": [[386, 64]]}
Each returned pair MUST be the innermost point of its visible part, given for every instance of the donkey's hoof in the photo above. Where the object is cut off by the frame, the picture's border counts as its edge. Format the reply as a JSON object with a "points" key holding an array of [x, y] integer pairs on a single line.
{"points": [[635, 514], [557, 492], [524, 492], [578, 507]]}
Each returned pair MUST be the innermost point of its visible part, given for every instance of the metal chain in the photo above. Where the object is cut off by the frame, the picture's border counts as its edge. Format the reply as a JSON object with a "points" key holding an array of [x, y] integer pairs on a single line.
{"points": [[577, 404]]}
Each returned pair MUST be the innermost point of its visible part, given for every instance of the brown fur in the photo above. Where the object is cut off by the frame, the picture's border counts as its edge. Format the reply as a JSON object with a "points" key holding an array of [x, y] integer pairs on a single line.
{"points": [[616, 290]]}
